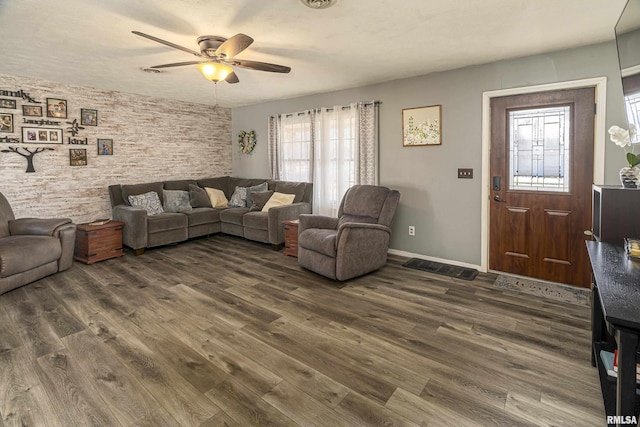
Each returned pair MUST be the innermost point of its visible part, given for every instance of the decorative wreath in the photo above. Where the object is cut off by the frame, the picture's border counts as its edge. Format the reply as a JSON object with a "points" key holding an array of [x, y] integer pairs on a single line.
{"points": [[247, 141]]}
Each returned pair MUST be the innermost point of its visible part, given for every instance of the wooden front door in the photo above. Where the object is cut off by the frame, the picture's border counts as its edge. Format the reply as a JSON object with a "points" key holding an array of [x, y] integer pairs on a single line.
{"points": [[541, 176]]}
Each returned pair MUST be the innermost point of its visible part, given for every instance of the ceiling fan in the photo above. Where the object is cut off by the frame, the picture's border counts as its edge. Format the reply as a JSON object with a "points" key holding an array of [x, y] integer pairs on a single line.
{"points": [[217, 55]]}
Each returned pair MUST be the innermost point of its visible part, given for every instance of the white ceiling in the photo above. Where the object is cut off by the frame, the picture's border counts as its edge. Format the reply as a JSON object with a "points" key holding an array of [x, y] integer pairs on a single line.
{"points": [[355, 43]]}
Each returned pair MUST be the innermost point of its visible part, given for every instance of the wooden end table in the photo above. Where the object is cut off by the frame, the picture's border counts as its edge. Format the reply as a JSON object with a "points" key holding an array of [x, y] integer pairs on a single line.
{"points": [[291, 237], [98, 242]]}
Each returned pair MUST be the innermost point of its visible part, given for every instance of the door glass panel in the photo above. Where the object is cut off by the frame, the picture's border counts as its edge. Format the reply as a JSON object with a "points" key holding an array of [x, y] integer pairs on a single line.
{"points": [[539, 149]]}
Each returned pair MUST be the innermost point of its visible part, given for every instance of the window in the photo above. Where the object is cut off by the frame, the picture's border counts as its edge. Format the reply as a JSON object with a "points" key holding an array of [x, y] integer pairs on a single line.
{"points": [[539, 149], [334, 148], [296, 148]]}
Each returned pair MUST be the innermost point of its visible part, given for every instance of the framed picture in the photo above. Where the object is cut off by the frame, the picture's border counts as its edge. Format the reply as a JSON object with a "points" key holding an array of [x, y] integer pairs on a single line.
{"points": [[32, 110], [57, 108], [88, 117], [105, 147], [40, 135], [6, 122], [8, 103], [78, 157], [421, 126]]}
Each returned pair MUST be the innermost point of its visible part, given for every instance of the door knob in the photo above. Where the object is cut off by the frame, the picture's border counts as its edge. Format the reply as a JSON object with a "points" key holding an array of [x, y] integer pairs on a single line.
{"points": [[497, 198]]}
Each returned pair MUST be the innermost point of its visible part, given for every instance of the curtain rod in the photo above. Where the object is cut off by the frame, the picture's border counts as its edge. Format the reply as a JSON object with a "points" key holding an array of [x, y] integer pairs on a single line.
{"points": [[345, 107]]}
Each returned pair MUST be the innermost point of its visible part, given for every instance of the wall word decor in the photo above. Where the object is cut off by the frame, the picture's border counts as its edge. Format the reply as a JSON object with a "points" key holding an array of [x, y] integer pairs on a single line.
{"points": [[18, 94], [41, 122], [247, 141]]}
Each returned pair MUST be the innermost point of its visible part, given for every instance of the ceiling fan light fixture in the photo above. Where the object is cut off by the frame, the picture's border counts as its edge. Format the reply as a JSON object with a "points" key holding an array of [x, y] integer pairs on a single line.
{"points": [[318, 4], [214, 71]]}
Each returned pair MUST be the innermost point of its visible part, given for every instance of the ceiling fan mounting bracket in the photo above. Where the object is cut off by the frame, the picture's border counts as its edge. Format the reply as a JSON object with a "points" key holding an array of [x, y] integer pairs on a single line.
{"points": [[209, 44]]}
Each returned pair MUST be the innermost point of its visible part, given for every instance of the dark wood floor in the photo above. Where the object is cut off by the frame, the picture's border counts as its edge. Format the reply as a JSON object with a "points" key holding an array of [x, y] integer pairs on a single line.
{"points": [[222, 331]]}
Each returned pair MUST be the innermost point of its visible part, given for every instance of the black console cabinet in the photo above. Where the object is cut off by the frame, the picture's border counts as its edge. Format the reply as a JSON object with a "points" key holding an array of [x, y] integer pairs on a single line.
{"points": [[616, 313]]}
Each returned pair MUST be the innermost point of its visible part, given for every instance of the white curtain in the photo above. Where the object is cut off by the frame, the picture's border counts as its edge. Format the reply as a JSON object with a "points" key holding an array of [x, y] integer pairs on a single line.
{"points": [[335, 148], [335, 157]]}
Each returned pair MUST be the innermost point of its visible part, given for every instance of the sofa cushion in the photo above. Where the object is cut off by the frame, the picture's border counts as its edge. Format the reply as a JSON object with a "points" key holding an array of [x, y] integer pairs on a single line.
{"points": [[278, 199], [166, 221], [199, 216], [320, 240], [296, 188], [233, 215], [148, 201], [180, 184], [255, 189], [176, 201], [260, 199], [22, 253], [256, 220], [134, 190], [217, 197], [198, 197]]}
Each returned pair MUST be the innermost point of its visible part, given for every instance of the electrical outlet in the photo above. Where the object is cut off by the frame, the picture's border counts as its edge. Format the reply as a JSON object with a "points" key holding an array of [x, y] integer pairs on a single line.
{"points": [[412, 230], [465, 173]]}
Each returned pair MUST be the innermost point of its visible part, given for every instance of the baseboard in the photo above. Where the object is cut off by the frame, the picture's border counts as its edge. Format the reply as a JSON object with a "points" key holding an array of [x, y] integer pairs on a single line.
{"points": [[435, 259]]}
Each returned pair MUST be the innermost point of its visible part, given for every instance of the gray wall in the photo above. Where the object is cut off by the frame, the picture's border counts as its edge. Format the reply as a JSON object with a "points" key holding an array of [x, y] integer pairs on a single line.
{"points": [[445, 211], [154, 139]]}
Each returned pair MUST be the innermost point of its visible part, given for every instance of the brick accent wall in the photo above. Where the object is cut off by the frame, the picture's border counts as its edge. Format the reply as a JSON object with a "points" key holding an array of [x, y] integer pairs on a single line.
{"points": [[154, 139]]}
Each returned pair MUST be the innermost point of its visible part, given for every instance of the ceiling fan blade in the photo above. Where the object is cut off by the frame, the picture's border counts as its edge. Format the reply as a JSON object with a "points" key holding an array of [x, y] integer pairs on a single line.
{"points": [[261, 66], [232, 78], [176, 64], [233, 46], [166, 43]]}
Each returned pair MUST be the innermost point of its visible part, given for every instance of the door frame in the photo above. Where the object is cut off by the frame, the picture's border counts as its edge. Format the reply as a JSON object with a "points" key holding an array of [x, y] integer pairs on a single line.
{"points": [[600, 85]]}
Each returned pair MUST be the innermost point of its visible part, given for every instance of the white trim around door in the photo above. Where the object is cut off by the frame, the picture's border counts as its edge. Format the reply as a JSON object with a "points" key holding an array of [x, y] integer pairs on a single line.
{"points": [[600, 84]]}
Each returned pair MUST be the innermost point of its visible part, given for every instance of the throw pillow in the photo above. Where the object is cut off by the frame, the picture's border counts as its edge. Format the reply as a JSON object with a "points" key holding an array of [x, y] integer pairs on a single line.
{"points": [[260, 199], [296, 188], [255, 189], [239, 196], [148, 201], [217, 197], [278, 199], [176, 201], [198, 197]]}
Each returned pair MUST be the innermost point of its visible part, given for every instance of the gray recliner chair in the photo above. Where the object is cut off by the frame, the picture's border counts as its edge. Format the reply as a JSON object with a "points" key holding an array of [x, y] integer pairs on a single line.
{"points": [[357, 241], [32, 248]]}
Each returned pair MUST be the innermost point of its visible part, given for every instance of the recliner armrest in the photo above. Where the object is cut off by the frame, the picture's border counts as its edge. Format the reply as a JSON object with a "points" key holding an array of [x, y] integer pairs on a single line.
{"points": [[361, 226], [36, 226], [317, 221]]}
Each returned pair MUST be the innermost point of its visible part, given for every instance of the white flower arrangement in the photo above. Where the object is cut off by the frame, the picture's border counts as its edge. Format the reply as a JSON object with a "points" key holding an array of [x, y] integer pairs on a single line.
{"points": [[426, 133], [622, 138]]}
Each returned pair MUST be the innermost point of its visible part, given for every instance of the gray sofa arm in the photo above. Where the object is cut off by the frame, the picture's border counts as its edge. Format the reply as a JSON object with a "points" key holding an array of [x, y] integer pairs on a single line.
{"points": [[67, 235], [278, 214], [36, 226], [317, 221], [134, 232]]}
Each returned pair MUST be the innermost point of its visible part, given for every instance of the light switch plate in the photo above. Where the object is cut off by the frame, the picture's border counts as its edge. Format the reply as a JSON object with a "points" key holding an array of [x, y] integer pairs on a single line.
{"points": [[465, 173]]}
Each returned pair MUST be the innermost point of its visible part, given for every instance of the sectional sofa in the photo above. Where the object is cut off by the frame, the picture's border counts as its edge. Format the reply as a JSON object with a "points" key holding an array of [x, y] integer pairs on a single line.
{"points": [[142, 230]]}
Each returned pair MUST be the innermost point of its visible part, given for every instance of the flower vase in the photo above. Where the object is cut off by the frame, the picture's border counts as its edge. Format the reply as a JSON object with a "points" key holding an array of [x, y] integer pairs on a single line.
{"points": [[630, 177]]}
